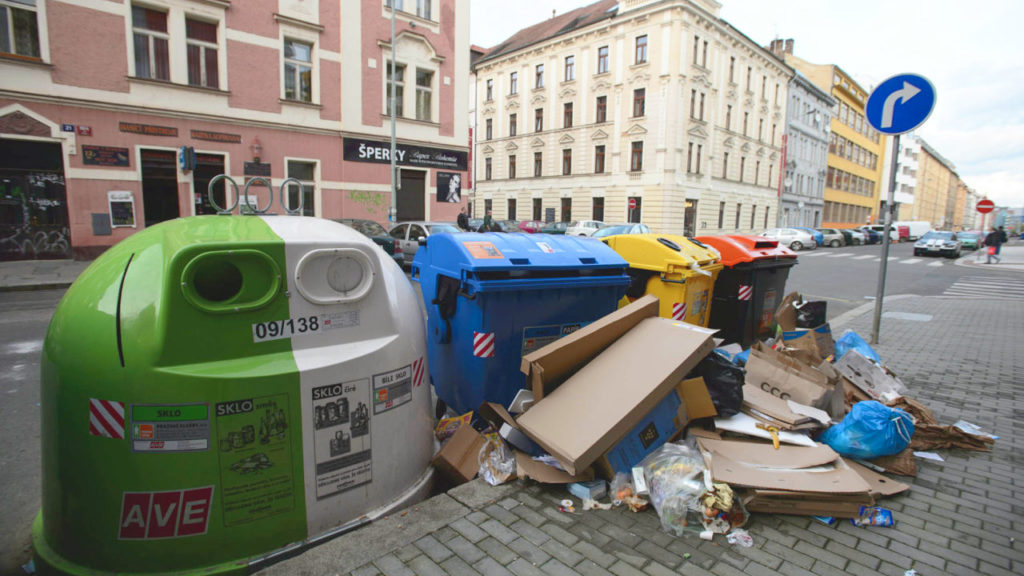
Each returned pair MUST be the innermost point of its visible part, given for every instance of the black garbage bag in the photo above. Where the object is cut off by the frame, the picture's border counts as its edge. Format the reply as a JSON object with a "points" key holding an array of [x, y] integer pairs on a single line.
{"points": [[811, 314], [724, 381]]}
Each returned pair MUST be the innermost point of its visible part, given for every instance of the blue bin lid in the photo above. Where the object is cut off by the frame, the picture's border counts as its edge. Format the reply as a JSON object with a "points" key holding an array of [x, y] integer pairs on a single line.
{"points": [[518, 259]]}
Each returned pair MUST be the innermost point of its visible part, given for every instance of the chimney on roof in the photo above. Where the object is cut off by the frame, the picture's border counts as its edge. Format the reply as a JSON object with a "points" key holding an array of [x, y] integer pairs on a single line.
{"points": [[789, 46], [552, 13]]}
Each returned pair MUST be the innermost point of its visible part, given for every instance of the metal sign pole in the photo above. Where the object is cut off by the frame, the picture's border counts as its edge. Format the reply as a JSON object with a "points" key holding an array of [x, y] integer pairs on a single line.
{"points": [[880, 295], [393, 213]]}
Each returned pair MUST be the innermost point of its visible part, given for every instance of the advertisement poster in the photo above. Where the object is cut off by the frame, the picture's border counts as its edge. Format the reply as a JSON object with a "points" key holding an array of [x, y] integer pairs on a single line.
{"points": [[341, 437], [253, 440], [449, 187]]}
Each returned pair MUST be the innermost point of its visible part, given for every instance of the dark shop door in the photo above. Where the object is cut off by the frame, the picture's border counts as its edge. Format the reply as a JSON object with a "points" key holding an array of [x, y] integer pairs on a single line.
{"points": [[159, 186], [208, 166], [410, 198], [33, 202]]}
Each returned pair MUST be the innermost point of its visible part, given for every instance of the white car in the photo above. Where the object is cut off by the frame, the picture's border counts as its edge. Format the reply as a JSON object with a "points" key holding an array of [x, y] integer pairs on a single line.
{"points": [[791, 237], [408, 234], [583, 228]]}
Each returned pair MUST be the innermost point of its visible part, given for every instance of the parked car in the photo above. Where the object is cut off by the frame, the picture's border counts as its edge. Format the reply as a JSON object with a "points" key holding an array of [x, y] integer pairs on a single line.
{"points": [[531, 226], [793, 238], [819, 238], [917, 229], [508, 225], [870, 236], [408, 234], [969, 240], [832, 237], [475, 224], [852, 236], [554, 228], [377, 233], [616, 229], [894, 231], [583, 228], [942, 242]]}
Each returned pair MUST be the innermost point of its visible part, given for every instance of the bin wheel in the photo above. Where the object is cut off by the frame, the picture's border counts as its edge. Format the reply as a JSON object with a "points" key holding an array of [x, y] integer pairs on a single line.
{"points": [[796, 246], [834, 243]]}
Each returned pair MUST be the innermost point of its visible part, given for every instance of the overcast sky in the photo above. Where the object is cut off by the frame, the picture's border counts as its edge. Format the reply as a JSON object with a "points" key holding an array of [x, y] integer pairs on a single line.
{"points": [[972, 52]]}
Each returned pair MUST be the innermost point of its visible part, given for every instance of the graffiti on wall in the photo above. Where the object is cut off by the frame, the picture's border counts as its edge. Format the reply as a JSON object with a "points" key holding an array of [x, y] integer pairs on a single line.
{"points": [[373, 202], [33, 216]]}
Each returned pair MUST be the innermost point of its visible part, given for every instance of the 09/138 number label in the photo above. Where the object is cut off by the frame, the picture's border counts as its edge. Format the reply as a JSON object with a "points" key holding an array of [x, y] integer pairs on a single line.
{"points": [[277, 329]]}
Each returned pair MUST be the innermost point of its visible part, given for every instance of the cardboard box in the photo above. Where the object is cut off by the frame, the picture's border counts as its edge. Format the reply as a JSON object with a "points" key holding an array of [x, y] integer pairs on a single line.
{"points": [[548, 367], [785, 377], [694, 393], [818, 341], [869, 377], [457, 459], [644, 359]]}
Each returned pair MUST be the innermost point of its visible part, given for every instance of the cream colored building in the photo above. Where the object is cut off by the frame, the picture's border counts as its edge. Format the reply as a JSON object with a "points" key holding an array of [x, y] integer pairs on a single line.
{"points": [[659, 105]]}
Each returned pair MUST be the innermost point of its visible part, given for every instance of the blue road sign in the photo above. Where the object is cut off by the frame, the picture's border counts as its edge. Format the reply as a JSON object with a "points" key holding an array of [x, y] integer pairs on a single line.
{"points": [[900, 104]]}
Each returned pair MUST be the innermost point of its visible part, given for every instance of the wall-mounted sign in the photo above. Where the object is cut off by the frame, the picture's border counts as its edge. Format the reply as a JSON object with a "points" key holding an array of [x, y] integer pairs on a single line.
{"points": [[449, 187], [67, 127], [257, 169], [216, 136], [362, 150], [122, 209], [105, 156], [148, 129], [85, 130]]}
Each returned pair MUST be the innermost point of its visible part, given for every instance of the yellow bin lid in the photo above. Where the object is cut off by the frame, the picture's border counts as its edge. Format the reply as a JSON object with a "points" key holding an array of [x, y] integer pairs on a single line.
{"points": [[660, 252]]}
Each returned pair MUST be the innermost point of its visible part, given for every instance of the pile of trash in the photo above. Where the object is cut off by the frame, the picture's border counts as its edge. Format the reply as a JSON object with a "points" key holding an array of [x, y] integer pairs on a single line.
{"points": [[636, 410]]}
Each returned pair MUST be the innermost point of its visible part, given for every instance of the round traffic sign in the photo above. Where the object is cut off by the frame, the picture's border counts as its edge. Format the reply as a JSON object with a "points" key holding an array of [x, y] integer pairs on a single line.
{"points": [[632, 203], [900, 104], [986, 206]]}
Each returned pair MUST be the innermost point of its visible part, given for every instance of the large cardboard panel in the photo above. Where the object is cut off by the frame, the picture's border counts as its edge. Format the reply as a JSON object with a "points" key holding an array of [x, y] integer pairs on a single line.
{"points": [[880, 485], [764, 455], [595, 407], [803, 504], [548, 367]]}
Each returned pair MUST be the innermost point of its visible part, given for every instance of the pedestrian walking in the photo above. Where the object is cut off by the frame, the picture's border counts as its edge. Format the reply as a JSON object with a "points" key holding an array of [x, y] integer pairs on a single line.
{"points": [[1002, 239], [463, 219], [489, 224], [993, 240]]}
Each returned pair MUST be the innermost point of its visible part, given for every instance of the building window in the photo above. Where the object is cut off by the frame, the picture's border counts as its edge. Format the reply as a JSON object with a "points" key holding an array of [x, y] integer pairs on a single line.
{"points": [[771, 170], [298, 71], [772, 141], [424, 81], [701, 106], [423, 9], [721, 215], [570, 68], [636, 157], [753, 211], [766, 208], [633, 214], [538, 165], [19, 29], [728, 117], [638, 102], [398, 79], [641, 49], [764, 87], [487, 168], [743, 167], [537, 208], [512, 167], [149, 30], [746, 120], [750, 70], [739, 210], [732, 69], [539, 77], [602, 109], [305, 173], [566, 161], [776, 99], [201, 45], [490, 89], [760, 129], [725, 166], [566, 209], [598, 161], [602, 59], [567, 115], [693, 103], [488, 129], [700, 151], [696, 47], [757, 172], [538, 120], [512, 124], [597, 212], [513, 83], [704, 55]]}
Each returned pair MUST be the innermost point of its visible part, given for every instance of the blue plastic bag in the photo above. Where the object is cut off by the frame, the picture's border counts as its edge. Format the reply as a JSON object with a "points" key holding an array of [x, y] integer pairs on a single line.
{"points": [[852, 341], [870, 430]]}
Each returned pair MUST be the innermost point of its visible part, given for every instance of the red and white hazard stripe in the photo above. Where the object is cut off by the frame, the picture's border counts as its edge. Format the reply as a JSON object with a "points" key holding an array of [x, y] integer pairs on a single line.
{"points": [[417, 372], [483, 344], [106, 418], [679, 311], [746, 292]]}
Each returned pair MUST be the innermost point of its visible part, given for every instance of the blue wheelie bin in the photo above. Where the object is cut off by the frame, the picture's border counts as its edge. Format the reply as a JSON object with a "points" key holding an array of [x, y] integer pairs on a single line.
{"points": [[491, 298]]}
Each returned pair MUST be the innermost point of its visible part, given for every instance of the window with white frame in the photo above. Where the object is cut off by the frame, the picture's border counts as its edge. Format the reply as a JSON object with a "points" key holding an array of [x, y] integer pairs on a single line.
{"points": [[570, 68], [201, 46], [19, 28], [298, 70], [149, 33], [513, 83], [304, 172], [423, 9], [424, 90], [398, 79]]}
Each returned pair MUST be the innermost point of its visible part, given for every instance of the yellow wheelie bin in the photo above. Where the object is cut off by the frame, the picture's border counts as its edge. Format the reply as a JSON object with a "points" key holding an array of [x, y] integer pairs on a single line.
{"points": [[679, 271]]}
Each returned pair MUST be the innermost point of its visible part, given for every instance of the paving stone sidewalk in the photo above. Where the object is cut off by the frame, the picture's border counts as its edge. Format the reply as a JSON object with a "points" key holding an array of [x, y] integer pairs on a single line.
{"points": [[961, 516]]}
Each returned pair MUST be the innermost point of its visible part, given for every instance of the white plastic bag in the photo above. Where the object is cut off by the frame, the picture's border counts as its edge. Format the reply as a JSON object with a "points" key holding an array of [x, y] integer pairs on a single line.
{"points": [[675, 482], [497, 463]]}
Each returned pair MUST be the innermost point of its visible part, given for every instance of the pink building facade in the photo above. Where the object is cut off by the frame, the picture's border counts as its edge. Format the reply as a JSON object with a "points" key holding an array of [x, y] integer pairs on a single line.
{"points": [[116, 115]]}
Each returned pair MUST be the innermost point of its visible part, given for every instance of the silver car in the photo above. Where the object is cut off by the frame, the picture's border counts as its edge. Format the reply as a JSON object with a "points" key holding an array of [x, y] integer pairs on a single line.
{"points": [[833, 237], [791, 237], [408, 234]]}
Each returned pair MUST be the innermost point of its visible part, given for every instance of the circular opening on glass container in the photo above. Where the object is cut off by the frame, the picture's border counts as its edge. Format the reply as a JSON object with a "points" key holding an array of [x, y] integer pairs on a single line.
{"points": [[345, 274], [217, 280]]}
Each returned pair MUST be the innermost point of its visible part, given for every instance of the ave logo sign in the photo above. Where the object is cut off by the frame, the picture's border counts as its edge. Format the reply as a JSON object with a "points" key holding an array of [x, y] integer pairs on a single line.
{"points": [[173, 514]]}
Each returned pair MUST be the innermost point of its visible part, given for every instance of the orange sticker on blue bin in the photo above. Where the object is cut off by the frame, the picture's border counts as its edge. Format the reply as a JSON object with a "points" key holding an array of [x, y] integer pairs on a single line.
{"points": [[483, 250]]}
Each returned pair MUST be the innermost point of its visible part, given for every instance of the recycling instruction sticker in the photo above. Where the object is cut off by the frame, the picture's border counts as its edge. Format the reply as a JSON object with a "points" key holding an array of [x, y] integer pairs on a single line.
{"points": [[536, 337], [341, 437], [170, 427]]}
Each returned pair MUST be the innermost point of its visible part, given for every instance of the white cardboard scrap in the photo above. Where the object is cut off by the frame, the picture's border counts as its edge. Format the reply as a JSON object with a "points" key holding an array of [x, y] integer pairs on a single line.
{"points": [[744, 424]]}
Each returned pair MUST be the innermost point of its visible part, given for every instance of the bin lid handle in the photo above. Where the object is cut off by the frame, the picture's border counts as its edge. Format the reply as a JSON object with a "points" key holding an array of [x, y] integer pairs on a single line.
{"points": [[670, 244]]}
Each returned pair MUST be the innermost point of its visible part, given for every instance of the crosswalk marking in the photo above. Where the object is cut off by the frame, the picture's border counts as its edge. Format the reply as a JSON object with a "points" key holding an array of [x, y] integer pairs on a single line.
{"points": [[802, 255], [840, 255], [910, 261], [863, 257], [986, 288], [934, 264]]}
